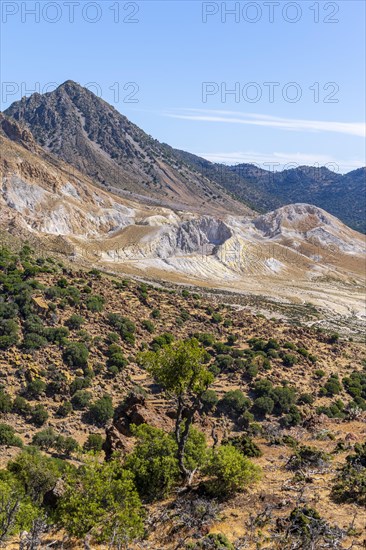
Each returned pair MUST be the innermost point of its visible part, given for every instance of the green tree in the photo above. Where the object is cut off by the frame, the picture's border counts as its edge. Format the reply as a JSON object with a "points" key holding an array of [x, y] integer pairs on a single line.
{"points": [[17, 512], [153, 462], [101, 500], [181, 370], [36, 472]]}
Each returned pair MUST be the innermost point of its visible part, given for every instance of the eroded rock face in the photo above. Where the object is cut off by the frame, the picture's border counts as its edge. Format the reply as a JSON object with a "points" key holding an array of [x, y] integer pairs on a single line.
{"points": [[17, 133], [135, 410]]}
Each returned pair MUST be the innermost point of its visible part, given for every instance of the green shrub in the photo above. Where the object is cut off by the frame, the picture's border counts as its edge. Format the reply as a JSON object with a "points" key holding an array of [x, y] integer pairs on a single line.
{"points": [[8, 437], [81, 399], [20, 406], [65, 409], [332, 386], [125, 327], [75, 322], [209, 400], [39, 415], [45, 439], [116, 358], [234, 402], [79, 383], [101, 411], [36, 472], [307, 457], [245, 445], [263, 388], [305, 399], [211, 542], [66, 445], [35, 388], [292, 418], [9, 333], [94, 443], [33, 341], [153, 462], [284, 397], [319, 373], [229, 471], [335, 410], [76, 354], [350, 483], [355, 384], [162, 340], [289, 345], [246, 419], [102, 499], [251, 370], [95, 304], [205, 338], [17, 512], [224, 362], [289, 360], [6, 403], [216, 318], [148, 325], [263, 405]]}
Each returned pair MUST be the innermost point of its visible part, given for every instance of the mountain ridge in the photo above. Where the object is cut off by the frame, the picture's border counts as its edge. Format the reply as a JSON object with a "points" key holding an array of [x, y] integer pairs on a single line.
{"points": [[89, 134]]}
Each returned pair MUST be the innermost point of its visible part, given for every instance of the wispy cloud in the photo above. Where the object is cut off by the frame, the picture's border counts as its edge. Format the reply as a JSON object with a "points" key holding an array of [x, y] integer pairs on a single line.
{"points": [[289, 124]]}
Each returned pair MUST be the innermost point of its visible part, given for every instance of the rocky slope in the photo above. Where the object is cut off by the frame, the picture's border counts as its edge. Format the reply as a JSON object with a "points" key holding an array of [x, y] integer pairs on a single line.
{"points": [[277, 254], [245, 349], [90, 135]]}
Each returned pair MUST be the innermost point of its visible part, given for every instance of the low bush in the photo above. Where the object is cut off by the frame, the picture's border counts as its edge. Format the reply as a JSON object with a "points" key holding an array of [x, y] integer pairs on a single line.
{"points": [[8, 436], [101, 411], [229, 471]]}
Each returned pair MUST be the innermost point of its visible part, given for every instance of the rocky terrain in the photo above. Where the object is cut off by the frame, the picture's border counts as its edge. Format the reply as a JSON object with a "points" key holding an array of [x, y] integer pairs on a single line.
{"points": [[90, 135], [103, 289], [68, 307], [297, 254]]}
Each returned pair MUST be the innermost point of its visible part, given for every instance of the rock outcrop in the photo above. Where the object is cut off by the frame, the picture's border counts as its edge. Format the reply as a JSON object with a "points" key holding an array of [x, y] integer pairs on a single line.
{"points": [[135, 410]]}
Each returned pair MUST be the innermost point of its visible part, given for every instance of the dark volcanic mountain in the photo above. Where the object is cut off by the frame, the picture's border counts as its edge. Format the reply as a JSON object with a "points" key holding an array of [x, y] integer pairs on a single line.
{"points": [[86, 132], [344, 196]]}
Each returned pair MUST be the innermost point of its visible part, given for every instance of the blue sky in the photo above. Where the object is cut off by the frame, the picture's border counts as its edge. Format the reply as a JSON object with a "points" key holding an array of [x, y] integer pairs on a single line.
{"points": [[296, 69]]}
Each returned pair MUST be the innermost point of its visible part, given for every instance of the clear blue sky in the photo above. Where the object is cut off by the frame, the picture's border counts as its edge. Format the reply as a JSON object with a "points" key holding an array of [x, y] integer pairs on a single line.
{"points": [[174, 47]]}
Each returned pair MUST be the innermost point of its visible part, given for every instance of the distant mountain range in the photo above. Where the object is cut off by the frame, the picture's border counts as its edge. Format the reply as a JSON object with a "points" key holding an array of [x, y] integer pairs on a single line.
{"points": [[87, 133], [343, 196]]}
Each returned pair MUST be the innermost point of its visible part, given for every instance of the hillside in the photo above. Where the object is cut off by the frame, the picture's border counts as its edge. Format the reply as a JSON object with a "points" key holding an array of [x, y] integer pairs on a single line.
{"points": [[275, 257], [69, 338], [89, 134], [340, 195]]}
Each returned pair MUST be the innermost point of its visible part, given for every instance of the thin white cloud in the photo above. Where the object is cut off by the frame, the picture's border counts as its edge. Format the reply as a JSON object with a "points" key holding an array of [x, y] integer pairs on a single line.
{"points": [[279, 161], [289, 124]]}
